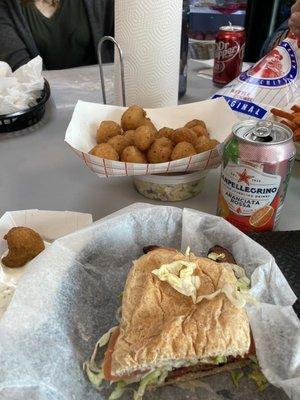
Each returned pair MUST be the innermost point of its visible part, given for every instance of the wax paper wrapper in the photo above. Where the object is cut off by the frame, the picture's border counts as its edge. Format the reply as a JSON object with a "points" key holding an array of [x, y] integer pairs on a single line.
{"points": [[272, 82], [49, 224], [81, 135], [69, 297]]}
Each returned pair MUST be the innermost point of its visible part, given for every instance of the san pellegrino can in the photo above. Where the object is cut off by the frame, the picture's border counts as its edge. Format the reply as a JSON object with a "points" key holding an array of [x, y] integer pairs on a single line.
{"points": [[256, 167]]}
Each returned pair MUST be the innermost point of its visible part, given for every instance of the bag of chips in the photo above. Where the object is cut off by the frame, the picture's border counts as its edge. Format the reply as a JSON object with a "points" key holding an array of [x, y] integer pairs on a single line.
{"points": [[272, 82]]}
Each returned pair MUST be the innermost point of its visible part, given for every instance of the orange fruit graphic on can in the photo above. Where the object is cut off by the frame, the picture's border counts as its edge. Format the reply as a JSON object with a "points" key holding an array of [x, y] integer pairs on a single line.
{"points": [[257, 162], [261, 216]]}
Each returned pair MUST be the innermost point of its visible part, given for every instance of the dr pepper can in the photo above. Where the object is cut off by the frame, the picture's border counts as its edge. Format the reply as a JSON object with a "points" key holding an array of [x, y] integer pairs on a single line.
{"points": [[229, 54], [256, 167]]}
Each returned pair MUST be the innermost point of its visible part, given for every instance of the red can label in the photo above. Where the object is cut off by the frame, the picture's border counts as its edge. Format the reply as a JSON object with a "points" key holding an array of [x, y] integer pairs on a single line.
{"points": [[249, 197], [229, 53]]}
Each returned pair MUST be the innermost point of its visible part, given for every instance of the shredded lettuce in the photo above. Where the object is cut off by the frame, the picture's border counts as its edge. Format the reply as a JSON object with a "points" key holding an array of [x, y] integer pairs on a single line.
{"points": [[95, 376], [258, 377], [156, 377], [220, 360], [120, 296], [105, 338], [216, 256], [188, 251], [243, 282], [236, 376], [254, 359], [152, 377], [237, 298], [118, 391], [94, 373], [179, 275]]}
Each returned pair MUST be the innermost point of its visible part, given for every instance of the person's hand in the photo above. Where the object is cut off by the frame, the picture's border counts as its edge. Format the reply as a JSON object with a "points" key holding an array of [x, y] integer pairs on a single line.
{"points": [[294, 21]]}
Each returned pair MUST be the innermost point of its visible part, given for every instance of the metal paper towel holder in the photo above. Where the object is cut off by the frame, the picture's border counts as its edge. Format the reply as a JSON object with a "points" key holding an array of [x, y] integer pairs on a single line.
{"points": [[100, 45]]}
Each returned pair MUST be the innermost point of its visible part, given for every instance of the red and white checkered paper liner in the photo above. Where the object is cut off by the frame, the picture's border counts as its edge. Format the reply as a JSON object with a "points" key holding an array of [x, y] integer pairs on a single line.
{"points": [[81, 135]]}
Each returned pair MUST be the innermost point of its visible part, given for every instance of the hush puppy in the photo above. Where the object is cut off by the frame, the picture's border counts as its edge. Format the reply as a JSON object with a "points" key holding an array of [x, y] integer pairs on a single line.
{"points": [[200, 131], [143, 137], [23, 245], [119, 143], [129, 135], [184, 135], [182, 150], [133, 155], [107, 130], [207, 144], [150, 124], [132, 118], [165, 132], [105, 150], [195, 122], [160, 151]]}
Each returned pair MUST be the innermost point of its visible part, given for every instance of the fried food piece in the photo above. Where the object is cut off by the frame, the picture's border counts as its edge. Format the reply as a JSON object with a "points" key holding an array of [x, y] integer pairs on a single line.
{"points": [[132, 118], [184, 135], [207, 144], [105, 150], [182, 150], [107, 130], [165, 132], [281, 113], [160, 151], [143, 137], [195, 122], [200, 131], [133, 155], [23, 245], [119, 143], [201, 143], [150, 124], [129, 135]]}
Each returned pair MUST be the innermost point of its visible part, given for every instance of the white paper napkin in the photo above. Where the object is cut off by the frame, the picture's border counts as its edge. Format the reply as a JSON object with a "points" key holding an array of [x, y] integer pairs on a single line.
{"points": [[19, 90]]}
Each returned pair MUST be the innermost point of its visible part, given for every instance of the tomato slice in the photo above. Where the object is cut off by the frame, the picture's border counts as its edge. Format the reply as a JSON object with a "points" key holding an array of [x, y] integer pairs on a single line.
{"points": [[108, 360]]}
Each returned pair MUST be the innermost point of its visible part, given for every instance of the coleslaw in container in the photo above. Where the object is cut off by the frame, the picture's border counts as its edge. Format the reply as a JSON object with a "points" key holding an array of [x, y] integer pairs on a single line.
{"points": [[170, 187]]}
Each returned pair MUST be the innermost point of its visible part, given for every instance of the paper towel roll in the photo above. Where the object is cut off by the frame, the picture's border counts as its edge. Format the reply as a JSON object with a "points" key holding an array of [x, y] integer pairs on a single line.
{"points": [[149, 33]]}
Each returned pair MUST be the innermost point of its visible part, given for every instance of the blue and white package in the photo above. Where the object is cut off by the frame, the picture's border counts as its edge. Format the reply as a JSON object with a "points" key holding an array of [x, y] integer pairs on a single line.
{"points": [[273, 82]]}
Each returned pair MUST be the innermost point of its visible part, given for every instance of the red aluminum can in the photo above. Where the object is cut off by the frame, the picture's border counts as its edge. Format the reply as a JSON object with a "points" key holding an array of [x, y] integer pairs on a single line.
{"points": [[257, 163], [229, 54]]}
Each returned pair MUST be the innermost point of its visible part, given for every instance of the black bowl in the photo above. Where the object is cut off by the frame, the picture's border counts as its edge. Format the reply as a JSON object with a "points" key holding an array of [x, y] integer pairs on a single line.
{"points": [[24, 119]]}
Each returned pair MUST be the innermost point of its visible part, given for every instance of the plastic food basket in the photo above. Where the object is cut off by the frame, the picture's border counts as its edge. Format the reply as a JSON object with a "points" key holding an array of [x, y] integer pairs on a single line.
{"points": [[24, 119]]}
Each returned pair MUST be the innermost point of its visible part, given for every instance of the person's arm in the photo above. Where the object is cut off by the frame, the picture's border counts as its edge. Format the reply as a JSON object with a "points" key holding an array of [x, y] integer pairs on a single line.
{"points": [[275, 38], [294, 21], [12, 48]]}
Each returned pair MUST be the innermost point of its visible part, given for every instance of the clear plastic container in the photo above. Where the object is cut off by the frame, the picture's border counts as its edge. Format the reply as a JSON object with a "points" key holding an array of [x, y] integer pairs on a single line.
{"points": [[170, 187]]}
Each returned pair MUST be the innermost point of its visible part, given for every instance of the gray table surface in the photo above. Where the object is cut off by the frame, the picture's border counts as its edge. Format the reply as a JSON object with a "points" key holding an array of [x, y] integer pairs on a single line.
{"points": [[38, 170]]}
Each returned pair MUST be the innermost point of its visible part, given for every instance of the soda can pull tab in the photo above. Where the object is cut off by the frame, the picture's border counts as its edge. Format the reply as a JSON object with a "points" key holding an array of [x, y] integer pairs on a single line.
{"points": [[263, 129]]}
